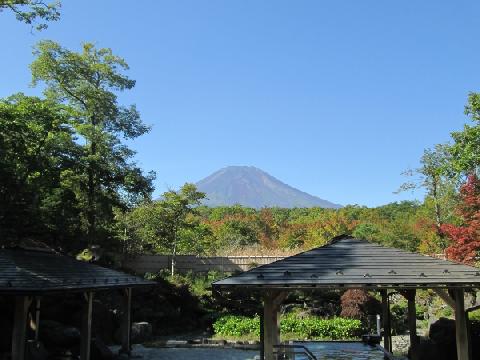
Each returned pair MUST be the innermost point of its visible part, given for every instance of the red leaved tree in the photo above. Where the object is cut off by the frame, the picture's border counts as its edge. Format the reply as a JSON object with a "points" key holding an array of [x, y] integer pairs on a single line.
{"points": [[466, 237]]}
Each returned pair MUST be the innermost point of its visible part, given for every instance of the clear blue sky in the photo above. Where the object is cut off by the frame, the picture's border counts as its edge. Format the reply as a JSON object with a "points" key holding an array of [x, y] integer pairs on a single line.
{"points": [[336, 97]]}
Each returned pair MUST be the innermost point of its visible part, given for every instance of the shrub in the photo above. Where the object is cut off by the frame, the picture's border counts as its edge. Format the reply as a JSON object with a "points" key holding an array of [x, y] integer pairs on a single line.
{"points": [[237, 326], [359, 304], [309, 327]]}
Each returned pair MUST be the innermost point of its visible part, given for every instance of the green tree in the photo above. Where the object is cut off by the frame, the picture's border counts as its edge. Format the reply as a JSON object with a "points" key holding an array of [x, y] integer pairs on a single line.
{"points": [[465, 151], [179, 210], [432, 177], [170, 225], [38, 164], [88, 82], [33, 11]]}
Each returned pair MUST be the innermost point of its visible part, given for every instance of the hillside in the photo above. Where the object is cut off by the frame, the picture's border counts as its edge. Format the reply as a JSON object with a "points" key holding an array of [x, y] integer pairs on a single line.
{"points": [[252, 187]]}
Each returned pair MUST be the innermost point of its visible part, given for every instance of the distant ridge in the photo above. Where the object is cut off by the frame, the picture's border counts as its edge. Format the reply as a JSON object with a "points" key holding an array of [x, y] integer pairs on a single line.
{"points": [[251, 187]]}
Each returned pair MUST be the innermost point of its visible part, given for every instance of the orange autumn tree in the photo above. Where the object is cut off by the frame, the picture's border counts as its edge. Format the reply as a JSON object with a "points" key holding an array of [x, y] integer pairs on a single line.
{"points": [[466, 237]]}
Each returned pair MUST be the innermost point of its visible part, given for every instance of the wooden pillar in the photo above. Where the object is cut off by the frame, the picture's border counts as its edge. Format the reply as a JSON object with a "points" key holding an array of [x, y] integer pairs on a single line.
{"points": [[37, 317], [19, 332], [461, 325], [412, 317], [387, 331], [269, 323], [127, 322], [86, 331], [262, 337]]}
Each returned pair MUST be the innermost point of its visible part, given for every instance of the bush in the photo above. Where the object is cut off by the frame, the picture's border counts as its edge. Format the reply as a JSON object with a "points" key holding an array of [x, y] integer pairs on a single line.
{"points": [[309, 327], [237, 326]]}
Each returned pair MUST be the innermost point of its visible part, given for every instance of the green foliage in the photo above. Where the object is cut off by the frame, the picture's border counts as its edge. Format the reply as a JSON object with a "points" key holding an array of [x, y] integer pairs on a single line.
{"points": [[31, 11], [169, 226], [465, 151], [308, 327], [39, 168], [237, 326], [87, 82]]}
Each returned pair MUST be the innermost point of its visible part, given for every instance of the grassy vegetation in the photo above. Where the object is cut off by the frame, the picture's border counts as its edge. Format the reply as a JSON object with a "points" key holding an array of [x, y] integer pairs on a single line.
{"points": [[291, 327]]}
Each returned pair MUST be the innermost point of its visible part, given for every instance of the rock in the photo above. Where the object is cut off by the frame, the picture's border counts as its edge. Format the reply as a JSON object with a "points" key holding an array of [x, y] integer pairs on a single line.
{"points": [[55, 334], [443, 331]]}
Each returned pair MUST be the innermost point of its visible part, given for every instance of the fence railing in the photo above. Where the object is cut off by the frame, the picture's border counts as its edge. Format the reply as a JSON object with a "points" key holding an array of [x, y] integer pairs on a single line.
{"points": [[197, 264]]}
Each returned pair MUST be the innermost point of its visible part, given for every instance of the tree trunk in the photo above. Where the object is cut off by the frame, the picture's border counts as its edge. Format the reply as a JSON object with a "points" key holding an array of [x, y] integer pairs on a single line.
{"points": [[438, 220], [174, 253], [91, 198]]}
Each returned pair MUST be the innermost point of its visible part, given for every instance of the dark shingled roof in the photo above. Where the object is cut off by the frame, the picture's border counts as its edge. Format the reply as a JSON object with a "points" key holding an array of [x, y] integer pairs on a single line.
{"points": [[38, 271], [348, 262]]}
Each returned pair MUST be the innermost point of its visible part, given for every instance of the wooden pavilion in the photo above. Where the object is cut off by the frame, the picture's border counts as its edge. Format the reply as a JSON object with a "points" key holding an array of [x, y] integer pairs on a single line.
{"points": [[346, 263], [28, 275]]}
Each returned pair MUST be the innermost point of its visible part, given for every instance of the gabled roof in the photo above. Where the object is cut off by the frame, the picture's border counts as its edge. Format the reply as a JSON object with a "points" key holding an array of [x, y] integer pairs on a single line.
{"points": [[36, 272], [348, 262]]}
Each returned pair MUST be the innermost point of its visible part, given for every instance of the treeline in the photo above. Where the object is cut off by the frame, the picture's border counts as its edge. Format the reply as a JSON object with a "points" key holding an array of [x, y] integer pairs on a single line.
{"points": [[237, 230]]}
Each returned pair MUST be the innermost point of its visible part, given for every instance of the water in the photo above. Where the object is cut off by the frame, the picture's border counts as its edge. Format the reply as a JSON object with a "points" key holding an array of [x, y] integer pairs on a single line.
{"points": [[341, 351]]}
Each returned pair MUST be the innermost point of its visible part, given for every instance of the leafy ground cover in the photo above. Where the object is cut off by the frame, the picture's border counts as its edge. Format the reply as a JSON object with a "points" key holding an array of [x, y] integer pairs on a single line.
{"points": [[291, 326]]}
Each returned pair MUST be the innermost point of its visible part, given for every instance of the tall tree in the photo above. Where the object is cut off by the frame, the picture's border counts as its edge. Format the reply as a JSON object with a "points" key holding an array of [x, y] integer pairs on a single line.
{"points": [[439, 186], [38, 163], [33, 12], [88, 82]]}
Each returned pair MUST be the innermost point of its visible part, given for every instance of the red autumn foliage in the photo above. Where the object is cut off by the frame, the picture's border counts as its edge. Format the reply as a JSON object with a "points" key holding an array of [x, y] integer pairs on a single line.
{"points": [[466, 237]]}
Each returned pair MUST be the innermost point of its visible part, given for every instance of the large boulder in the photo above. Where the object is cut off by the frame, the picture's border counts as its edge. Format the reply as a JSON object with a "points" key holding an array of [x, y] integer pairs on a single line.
{"points": [[441, 344], [442, 331]]}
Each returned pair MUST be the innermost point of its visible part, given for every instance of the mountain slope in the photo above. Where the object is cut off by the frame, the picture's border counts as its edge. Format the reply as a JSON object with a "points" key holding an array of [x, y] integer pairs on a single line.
{"points": [[252, 187]]}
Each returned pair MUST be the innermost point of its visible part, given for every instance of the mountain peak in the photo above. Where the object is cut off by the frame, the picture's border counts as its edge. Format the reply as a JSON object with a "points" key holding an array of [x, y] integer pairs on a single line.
{"points": [[252, 187]]}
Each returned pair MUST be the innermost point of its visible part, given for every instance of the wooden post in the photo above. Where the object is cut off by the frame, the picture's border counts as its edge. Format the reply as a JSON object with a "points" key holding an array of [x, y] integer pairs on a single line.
{"points": [[38, 303], [461, 325], [412, 317], [19, 332], [270, 326], [127, 322], [387, 332], [86, 331], [262, 338]]}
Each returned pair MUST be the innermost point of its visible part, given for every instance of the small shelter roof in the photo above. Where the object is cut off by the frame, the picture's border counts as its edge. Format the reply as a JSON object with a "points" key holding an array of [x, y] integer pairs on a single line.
{"points": [[38, 271], [355, 263]]}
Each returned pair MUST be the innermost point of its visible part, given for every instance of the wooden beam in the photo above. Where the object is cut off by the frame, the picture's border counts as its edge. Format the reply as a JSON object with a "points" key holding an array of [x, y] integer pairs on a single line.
{"points": [[461, 325], [86, 331], [387, 330], [445, 297], [127, 322], [19, 333]]}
